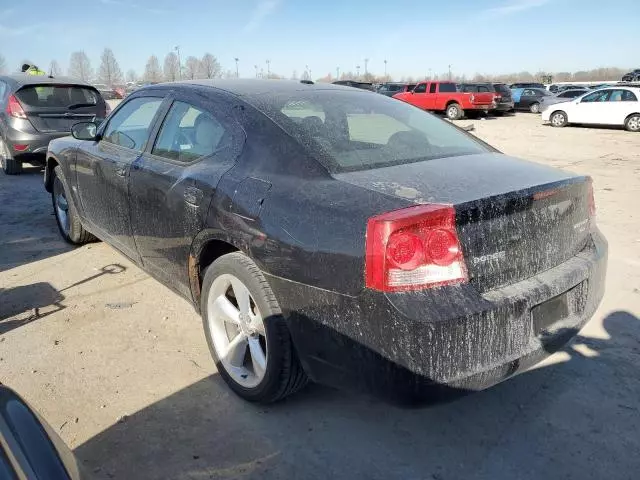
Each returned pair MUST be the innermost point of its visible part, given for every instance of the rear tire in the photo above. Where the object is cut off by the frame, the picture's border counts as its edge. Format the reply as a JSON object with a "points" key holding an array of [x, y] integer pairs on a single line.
{"points": [[559, 119], [65, 212], [534, 107], [454, 111], [10, 166], [632, 123], [251, 345]]}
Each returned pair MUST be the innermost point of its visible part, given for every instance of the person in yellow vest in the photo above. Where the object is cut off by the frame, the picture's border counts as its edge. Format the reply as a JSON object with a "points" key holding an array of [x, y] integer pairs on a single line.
{"points": [[32, 70]]}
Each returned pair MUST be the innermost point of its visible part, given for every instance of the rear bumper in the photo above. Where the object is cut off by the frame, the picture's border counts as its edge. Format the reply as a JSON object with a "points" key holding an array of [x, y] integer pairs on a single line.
{"points": [[503, 107], [36, 143], [440, 343]]}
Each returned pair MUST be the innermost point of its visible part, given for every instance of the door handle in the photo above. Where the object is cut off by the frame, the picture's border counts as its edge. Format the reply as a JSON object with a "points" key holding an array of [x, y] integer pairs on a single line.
{"points": [[121, 169], [193, 196]]}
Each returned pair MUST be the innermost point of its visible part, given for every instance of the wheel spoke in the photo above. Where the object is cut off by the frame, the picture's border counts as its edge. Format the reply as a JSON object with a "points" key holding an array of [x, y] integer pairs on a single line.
{"points": [[242, 295], [236, 350], [257, 357], [225, 310], [258, 324]]}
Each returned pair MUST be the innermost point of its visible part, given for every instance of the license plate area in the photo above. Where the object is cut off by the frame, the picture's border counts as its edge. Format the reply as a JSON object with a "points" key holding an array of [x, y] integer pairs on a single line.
{"points": [[570, 303]]}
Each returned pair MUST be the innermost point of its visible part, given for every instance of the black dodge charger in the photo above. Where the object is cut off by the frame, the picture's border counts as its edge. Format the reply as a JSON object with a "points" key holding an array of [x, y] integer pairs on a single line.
{"points": [[325, 233]]}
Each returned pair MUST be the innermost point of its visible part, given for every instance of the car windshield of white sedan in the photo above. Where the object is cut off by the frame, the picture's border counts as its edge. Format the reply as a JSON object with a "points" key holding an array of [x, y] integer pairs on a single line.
{"points": [[357, 130]]}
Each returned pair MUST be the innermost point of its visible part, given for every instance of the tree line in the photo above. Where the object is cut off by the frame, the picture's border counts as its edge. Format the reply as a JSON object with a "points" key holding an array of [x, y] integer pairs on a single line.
{"points": [[207, 66]]}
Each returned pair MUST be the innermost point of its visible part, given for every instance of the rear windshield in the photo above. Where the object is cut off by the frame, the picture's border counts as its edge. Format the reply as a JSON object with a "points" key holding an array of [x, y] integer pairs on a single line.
{"points": [[349, 131], [56, 96], [501, 88]]}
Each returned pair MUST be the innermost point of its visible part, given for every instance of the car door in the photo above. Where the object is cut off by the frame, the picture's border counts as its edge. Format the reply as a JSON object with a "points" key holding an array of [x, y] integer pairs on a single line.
{"points": [[590, 109], [102, 169], [621, 103], [421, 98], [171, 185], [527, 97]]}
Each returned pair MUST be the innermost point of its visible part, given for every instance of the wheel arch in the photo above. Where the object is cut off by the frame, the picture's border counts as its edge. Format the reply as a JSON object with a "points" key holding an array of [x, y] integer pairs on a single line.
{"points": [[51, 163]]}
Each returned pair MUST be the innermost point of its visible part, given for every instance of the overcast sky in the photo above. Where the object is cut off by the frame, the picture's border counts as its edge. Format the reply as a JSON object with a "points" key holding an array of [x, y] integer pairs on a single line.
{"points": [[415, 37]]}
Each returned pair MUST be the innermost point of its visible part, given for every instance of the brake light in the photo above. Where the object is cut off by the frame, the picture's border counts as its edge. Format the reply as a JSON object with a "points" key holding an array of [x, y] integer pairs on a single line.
{"points": [[14, 108], [20, 147], [413, 249], [592, 200]]}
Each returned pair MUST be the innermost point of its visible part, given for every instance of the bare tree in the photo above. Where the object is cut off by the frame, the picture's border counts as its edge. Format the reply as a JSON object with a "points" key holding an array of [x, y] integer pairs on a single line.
{"points": [[152, 71], [80, 66], [191, 68], [132, 76], [171, 67], [3, 64], [210, 67], [54, 69], [109, 72]]}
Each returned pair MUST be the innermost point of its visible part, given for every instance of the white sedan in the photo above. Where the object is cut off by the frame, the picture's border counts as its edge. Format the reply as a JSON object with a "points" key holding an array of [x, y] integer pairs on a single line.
{"points": [[606, 106]]}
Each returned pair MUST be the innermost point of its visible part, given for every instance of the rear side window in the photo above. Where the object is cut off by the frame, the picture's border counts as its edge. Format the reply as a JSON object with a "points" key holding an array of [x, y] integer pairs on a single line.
{"points": [[57, 96], [433, 87], [448, 88], [188, 133]]}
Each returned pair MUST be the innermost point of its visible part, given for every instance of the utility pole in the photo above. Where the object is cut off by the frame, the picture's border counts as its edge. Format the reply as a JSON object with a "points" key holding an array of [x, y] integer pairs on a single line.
{"points": [[177, 49], [366, 63], [256, 67], [430, 74], [385, 71], [337, 73], [357, 72], [237, 73], [449, 72], [306, 72], [268, 68]]}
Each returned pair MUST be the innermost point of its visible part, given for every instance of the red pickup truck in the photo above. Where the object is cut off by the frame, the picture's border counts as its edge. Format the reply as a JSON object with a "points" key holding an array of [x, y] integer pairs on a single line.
{"points": [[445, 97]]}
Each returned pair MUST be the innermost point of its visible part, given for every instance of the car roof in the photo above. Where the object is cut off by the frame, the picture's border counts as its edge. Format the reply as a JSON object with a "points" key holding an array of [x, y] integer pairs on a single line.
{"points": [[21, 79], [249, 87]]}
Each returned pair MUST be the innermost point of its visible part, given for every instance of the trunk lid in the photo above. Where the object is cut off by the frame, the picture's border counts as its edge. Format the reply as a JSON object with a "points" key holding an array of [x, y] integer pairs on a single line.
{"points": [[514, 218], [55, 108]]}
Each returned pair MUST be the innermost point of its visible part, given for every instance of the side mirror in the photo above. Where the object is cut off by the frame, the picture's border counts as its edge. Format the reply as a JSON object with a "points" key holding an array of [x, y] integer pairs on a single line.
{"points": [[34, 449], [85, 131]]}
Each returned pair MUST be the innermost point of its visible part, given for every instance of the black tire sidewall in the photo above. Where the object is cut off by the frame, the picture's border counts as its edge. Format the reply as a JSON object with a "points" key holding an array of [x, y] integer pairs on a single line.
{"points": [[278, 340], [75, 234], [10, 166]]}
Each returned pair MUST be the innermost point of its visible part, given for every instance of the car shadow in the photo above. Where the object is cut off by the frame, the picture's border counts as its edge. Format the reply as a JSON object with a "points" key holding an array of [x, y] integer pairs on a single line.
{"points": [[38, 300], [28, 226], [577, 418]]}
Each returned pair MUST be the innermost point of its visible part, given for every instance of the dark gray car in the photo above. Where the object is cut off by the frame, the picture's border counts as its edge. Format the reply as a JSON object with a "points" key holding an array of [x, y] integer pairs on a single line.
{"points": [[36, 109]]}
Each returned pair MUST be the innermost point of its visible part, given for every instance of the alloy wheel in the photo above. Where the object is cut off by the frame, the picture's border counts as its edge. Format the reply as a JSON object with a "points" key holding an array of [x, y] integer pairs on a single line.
{"points": [[61, 205], [557, 120], [634, 123], [237, 330]]}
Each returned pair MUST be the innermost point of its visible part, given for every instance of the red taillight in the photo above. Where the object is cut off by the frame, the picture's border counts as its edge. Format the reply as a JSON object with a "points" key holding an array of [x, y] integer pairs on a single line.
{"points": [[497, 98], [14, 108], [592, 200], [20, 147], [414, 248]]}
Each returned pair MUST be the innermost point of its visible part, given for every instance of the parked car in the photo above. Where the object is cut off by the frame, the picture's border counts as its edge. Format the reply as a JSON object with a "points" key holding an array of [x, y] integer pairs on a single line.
{"points": [[503, 101], [390, 89], [633, 76], [326, 233], [526, 85], [356, 84], [562, 96], [609, 106], [446, 97], [35, 110], [528, 99], [29, 447]]}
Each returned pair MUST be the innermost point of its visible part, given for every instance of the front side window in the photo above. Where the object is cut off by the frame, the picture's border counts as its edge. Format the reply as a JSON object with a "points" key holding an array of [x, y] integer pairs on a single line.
{"points": [[130, 126], [421, 88], [528, 93], [189, 133], [352, 131], [600, 96]]}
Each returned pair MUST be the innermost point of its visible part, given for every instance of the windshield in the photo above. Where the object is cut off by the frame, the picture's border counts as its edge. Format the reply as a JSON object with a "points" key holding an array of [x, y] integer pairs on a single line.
{"points": [[354, 131], [56, 96]]}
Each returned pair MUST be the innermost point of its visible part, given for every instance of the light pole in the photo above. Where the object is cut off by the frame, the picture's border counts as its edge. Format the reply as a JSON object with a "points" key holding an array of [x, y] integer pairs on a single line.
{"points": [[449, 72], [385, 70], [366, 63], [268, 68], [306, 72], [256, 67], [177, 49], [430, 74], [237, 73], [357, 71], [337, 73]]}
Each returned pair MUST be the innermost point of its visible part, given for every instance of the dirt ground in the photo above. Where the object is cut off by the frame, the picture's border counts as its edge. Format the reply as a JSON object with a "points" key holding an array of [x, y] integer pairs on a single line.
{"points": [[119, 366]]}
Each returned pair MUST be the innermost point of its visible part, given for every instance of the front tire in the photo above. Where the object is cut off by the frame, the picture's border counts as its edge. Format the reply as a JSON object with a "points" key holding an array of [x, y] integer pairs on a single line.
{"points": [[65, 212], [454, 112], [246, 333], [534, 107], [632, 123], [10, 166], [559, 119]]}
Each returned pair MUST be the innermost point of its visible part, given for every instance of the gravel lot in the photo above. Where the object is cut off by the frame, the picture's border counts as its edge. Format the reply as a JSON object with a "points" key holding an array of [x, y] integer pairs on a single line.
{"points": [[119, 366]]}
